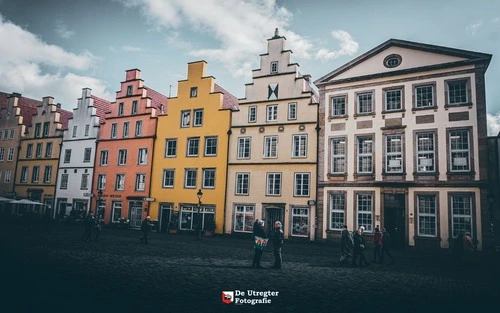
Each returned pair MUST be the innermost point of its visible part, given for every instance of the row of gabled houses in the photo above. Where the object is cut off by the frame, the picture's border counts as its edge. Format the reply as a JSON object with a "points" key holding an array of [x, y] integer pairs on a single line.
{"points": [[396, 138]]}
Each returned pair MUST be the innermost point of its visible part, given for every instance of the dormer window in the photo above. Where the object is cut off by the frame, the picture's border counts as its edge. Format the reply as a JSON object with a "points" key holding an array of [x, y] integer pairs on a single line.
{"points": [[274, 67], [129, 90]]}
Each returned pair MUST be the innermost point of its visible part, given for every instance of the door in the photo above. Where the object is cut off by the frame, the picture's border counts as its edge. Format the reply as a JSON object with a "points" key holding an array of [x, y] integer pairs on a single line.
{"points": [[166, 213], [272, 215], [395, 218], [135, 214]]}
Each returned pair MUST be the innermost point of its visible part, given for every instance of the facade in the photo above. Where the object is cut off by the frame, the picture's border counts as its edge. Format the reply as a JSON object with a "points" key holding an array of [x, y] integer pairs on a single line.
{"points": [[272, 150], [403, 145], [38, 159], [124, 152], [76, 165], [191, 155]]}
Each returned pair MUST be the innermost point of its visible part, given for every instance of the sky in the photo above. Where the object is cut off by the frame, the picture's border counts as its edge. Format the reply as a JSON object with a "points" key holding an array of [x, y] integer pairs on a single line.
{"points": [[57, 47]]}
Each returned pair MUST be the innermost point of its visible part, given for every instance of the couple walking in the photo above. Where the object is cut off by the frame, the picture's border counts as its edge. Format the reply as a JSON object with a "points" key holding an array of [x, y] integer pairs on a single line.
{"points": [[260, 242]]}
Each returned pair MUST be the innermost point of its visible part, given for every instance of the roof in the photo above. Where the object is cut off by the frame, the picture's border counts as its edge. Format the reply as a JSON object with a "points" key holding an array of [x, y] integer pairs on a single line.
{"points": [[157, 100], [27, 105], [472, 56], [102, 107], [229, 101], [65, 116]]}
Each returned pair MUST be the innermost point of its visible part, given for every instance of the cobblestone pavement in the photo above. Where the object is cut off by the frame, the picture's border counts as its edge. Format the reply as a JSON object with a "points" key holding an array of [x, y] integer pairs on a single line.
{"points": [[50, 269]]}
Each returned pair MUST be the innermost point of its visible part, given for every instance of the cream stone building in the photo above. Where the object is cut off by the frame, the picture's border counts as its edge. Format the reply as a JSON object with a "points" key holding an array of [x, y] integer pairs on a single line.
{"points": [[403, 145]]}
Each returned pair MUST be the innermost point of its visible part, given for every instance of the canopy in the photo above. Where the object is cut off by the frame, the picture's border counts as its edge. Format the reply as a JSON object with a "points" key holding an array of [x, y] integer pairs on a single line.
{"points": [[25, 201]]}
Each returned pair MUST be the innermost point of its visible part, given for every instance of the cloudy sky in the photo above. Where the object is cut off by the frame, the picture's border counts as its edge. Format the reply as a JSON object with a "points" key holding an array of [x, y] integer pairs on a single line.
{"points": [[58, 47]]}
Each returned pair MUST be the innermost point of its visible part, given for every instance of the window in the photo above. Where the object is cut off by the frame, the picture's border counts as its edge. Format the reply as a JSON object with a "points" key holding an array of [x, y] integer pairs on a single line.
{"points": [[338, 155], [274, 67], [198, 117], [170, 148], [120, 108], [271, 113], [252, 114], [35, 176], [193, 146], [126, 127], [38, 152], [426, 208], [393, 99], [459, 150], [101, 182], [365, 103], [210, 146], [2, 154], [244, 147], [392, 60], [424, 96], [0, 138], [302, 184], [114, 128], [140, 182], [45, 132], [37, 131], [24, 174], [272, 91], [84, 184], [270, 146], [87, 129], [64, 181], [461, 214], [29, 151], [75, 128], [122, 157], [103, 160], [299, 149], [273, 184], [142, 158], [300, 222], [337, 211], [425, 152], [116, 211], [129, 90], [185, 118], [0, 174], [86, 155], [48, 150], [338, 106], [457, 92], [67, 155], [134, 107], [120, 182], [365, 155], [8, 174], [190, 178], [364, 210], [11, 136], [194, 92], [243, 218], [168, 178], [47, 174], [138, 128], [393, 154], [292, 111], [242, 183], [209, 178], [10, 157]]}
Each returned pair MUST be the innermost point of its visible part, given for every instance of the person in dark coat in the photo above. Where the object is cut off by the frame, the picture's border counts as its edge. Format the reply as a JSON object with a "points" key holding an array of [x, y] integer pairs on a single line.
{"points": [[145, 228], [386, 245], [277, 244], [88, 224], [359, 246], [258, 232], [377, 245], [345, 245]]}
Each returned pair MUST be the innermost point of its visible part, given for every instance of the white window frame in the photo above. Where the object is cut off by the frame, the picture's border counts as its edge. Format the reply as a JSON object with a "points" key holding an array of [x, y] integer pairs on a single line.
{"points": [[67, 156], [425, 147], [122, 157], [465, 82], [299, 146], [10, 156], [274, 67], [190, 175], [270, 147], [302, 184], [365, 102], [121, 106], [120, 182], [242, 183], [45, 131], [126, 129], [459, 213], [394, 153], [244, 214], [24, 174], [362, 154], [87, 130], [104, 158], [140, 182], [209, 145], [208, 178], [338, 155], [87, 155], [138, 128], [198, 118], [47, 174], [48, 150], [337, 210], [244, 148], [292, 111], [193, 147], [101, 181], [29, 152], [134, 107], [169, 148], [185, 118], [273, 184], [272, 113], [431, 216], [364, 211], [38, 151], [193, 92], [419, 92], [391, 97], [129, 90], [84, 183], [64, 181], [338, 105], [7, 176], [168, 175], [38, 127], [75, 130], [35, 175], [300, 214], [115, 206], [252, 114], [459, 152], [142, 156], [114, 130]]}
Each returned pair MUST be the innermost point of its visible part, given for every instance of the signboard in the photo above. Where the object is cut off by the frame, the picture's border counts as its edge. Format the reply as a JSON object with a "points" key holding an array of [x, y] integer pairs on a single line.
{"points": [[148, 199], [311, 202], [87, 194]]}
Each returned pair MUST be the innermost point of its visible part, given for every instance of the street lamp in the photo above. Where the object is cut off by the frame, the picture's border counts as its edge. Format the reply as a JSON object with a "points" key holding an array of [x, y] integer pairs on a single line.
{"points": [[198, 228], [98, 206]]}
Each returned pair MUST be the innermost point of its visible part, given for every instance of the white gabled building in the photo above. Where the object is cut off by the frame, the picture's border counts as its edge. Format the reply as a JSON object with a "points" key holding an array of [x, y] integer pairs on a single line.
{"points": [[74, 189], [403, 145]]}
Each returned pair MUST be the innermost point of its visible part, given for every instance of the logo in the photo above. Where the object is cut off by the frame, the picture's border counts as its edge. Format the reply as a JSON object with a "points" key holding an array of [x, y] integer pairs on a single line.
{"points": [[227, 297]]}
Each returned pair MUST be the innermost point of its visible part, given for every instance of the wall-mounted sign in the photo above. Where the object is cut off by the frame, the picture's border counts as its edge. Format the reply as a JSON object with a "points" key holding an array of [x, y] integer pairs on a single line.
{"points": [[311, 202]]}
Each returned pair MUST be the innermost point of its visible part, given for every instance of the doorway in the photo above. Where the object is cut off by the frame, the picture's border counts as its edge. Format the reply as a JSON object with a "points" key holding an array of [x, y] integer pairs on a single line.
{"points": [[272, 215], [395, 218], [165, 217], [135, 214]]}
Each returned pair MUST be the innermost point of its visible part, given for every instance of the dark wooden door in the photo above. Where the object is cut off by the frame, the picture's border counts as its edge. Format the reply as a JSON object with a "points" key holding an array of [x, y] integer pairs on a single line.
{"points": [[272, 215], [395, 218]]}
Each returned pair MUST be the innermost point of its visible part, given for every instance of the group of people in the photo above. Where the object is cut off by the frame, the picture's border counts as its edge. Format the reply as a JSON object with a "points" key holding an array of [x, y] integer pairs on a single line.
{"points": [[353, 245], [260, 242], [92, 224]]}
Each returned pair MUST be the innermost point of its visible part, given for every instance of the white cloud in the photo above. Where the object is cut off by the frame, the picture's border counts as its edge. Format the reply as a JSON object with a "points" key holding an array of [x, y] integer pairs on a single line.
{"points": [[131, 48], [348, 46], [495, 20], [472, 28], [493, 122], [34, 68], [62, 30]]}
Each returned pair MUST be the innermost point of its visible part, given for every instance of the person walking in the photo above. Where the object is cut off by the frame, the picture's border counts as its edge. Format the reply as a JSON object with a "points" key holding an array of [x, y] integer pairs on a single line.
{"points": [[377, 245], [386, 245], [145, 228], [260, 242], [99, 222], [88, 225], [359, 246], [277, 244], [345, 245]]}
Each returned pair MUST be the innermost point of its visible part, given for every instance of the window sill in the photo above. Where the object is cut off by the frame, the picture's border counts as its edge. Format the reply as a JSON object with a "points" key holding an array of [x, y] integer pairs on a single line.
{"points": [[394, 111], [364, 115], [467, 104], [426, 174], [338, 117], [424, 238], [424, 108]]}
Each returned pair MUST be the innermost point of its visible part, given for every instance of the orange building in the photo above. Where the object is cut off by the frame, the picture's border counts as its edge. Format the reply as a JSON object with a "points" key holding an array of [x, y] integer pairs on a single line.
{"points": [[124, 152]]}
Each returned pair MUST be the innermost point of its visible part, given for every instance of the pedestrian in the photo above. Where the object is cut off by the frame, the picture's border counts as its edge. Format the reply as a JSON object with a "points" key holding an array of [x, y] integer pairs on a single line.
{"points": [[345, 245], [468, 248], [99, 222], [260, 241], [377, 245], [145, 228], [359, 247], [88, 224], [277, 244], [386, 245], [458, 249]]}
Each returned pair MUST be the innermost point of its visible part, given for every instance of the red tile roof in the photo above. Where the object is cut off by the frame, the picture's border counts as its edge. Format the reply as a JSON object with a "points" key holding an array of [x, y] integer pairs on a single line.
{"points": [[27, 105], [102, 107], [230, 102], [65, 116], [157, 100]]}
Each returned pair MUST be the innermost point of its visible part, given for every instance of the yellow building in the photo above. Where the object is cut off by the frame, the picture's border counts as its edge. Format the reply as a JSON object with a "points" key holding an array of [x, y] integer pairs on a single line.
{"points": [[190, 159]]}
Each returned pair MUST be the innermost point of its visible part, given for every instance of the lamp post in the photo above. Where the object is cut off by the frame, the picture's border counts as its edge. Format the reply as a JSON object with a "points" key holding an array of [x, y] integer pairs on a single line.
{"points": [[98, 205], [198, 228]]}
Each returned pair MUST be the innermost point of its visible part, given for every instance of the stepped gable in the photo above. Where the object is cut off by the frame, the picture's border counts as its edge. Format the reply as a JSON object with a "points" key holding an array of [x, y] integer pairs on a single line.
{"points": [[27, 105], [157, 100], [102, 107], [230, 102], [65, 116]]}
